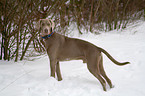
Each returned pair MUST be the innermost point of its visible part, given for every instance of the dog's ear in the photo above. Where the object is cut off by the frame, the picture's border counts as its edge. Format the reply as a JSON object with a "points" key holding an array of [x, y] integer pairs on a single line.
{"points": [[37, 24], [52, 24]]}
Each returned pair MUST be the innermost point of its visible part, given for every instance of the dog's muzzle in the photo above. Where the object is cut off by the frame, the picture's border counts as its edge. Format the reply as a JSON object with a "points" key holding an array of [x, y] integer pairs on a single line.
{"points": [[46, 30]]}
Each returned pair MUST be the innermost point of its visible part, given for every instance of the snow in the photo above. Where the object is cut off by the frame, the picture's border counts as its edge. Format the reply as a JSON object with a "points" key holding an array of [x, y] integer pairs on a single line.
{"points": [[32, 78]]}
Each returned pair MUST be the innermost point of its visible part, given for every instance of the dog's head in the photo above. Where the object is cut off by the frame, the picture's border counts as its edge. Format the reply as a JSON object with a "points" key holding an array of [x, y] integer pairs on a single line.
{"points": [[45, 26]]}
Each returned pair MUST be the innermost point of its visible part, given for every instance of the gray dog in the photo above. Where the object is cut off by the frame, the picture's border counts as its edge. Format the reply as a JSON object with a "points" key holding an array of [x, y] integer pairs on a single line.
{"points": [[62, 48]]}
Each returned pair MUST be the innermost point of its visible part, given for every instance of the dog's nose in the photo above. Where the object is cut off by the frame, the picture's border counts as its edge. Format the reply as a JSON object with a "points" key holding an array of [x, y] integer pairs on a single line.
{"points": [[46, 30]]}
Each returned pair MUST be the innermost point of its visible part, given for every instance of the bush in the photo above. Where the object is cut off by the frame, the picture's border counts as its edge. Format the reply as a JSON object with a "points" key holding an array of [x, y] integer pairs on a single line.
{"points": [[17, 18]]}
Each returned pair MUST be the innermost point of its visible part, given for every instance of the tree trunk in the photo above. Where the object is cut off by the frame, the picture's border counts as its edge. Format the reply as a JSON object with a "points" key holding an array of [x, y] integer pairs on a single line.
{"points": [[17, 50], [91, 15], [27, 46], [1, 56]]}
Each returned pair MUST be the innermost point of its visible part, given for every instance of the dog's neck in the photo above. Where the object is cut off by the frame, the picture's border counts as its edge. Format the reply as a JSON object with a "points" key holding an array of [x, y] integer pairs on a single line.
{"points": [[47, 36]]}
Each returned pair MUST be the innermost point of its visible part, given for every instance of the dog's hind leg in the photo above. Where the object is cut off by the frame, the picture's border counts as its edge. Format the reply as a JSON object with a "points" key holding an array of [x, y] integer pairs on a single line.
{"points": [[94, 69], [102, 72], [58, 71]]}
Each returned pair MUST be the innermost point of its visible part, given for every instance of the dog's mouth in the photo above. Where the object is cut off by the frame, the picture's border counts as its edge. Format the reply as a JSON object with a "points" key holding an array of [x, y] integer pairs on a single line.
{"points": [[45, 32]]}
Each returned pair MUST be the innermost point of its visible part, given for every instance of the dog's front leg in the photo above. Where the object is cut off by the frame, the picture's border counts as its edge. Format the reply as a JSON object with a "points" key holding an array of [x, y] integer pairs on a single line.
{"points": [[58, 71], [52, 67]]}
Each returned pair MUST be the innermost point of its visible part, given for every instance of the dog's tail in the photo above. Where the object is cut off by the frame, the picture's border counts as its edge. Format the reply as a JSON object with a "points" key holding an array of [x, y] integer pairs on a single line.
{"points": [[111, 58]]}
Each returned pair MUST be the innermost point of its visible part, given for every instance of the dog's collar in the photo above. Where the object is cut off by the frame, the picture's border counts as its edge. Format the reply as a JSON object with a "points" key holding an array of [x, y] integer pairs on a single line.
{"points": [[47, 36]]}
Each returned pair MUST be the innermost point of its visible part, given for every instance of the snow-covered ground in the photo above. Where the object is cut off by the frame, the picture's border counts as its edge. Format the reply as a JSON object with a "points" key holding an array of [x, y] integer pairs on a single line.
{"points": [[32, 78]]}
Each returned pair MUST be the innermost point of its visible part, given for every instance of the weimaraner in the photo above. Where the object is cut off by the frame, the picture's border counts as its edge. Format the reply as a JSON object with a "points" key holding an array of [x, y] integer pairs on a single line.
{"points": [[62, 48]]}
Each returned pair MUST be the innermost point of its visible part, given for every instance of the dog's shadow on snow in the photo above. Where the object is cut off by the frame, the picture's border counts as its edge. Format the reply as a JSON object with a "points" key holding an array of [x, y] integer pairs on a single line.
{"points": [[82, 81]]}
